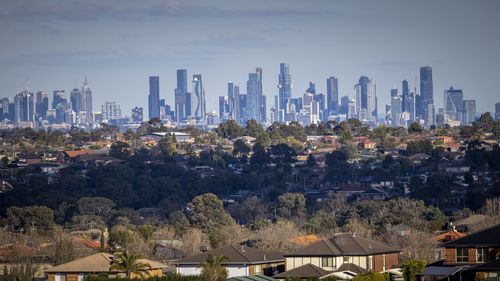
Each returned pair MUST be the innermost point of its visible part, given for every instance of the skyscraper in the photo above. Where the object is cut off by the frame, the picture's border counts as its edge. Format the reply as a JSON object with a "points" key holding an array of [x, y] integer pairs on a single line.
{"points": [[223, 108], [75, 98], [396, 108], [469, 112], [284, 85], [453, 103], [426, 95], [405, 89], [41, 104], [366, 99], [59, 104], [137, 114], [110, 111], [254, 97], [497, 111], [311, 89], [180, 96], [154, 97], [86, 101], [332, 94], [198, 105]]}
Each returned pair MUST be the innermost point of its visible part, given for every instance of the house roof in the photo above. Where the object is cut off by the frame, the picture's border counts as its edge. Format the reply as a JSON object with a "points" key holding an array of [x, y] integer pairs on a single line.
{"points": [[486, 237], [473, 219], [251, 278], [352, 268], [490, 266], [236, 255], [305, 271], [344, 245], [449, 235], [100, 262]]}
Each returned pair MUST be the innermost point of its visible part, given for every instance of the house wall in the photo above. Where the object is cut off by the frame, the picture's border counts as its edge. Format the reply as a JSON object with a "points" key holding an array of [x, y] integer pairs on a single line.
{"points": [[232, 271], [450, 254]]}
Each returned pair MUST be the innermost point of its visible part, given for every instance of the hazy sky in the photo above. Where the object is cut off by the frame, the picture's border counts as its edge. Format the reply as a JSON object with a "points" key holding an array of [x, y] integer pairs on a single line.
{"points": [[118, 44]]}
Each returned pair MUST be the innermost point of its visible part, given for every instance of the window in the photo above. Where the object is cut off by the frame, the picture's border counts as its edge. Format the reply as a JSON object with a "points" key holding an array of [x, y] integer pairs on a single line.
{"points": [[481, 254], [326, 262], [462, 255], [258, 269]]}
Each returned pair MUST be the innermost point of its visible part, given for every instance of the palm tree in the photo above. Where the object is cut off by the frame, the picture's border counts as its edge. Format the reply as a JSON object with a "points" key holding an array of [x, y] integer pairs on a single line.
{"points": [[213, 270], [130, 264]]}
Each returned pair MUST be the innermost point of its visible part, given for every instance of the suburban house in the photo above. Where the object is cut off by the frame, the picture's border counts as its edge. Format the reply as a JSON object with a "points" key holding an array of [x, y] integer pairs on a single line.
{"points": [[331, 254], [472, 256], [96, 264], [240, 261], [312, 272]]}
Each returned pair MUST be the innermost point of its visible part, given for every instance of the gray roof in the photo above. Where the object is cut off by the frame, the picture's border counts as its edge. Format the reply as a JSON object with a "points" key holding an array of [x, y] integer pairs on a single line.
{"points": [[344, 245], [352, 268], [305, 271], [236, 255], [251, 278]]}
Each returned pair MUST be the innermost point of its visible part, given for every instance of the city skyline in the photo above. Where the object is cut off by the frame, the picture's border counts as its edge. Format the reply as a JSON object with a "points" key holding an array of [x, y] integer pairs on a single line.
{"points": [[46, 55]]}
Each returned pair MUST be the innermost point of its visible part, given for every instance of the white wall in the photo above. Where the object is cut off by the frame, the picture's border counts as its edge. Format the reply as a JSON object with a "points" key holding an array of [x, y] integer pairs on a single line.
{"points": [[232, 271]]}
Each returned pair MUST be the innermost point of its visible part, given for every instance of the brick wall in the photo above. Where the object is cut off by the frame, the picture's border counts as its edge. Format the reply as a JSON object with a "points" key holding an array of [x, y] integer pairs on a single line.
{"points": [[391, 261], [450, 255], [378, 261]]}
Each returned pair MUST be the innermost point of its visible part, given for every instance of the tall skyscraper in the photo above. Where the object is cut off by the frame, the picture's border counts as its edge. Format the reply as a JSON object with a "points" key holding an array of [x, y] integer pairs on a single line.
{"points": [[405, 92], [223, 108], [426, 95], [284, 85], [396, 108], [154, 97], [311, 89], [180, 96], [86, 101], [60, 105], [497, 111], [254, 97], [75, 98], [366, 99], [332, 94], [137, 114], [198, 104], [110, 111], [453, 103], [41, 104], [344, 105], [469, 112]]}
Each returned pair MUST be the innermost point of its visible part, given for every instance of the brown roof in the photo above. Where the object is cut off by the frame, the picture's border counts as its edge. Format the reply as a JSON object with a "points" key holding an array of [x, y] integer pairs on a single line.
{"points": [[352, 268], [305, 271], [100, 262], [75, 153], [236, 255], [448, 236], [344, 245], [486, 237]]}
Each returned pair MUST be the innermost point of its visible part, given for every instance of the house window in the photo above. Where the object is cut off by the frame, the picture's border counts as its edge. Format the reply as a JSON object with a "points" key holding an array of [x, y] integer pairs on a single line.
{"points": [[482, 254], [462, 255], [326, 262], [258, 269]]}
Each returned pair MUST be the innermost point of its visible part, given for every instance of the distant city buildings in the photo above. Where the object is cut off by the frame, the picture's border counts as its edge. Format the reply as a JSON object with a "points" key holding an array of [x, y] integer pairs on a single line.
{"points": [[406, 105]]}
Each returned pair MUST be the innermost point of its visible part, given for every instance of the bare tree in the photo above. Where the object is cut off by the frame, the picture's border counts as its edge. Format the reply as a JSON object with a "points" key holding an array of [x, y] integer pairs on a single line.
{"points": [[280, 236], [192, 240]]}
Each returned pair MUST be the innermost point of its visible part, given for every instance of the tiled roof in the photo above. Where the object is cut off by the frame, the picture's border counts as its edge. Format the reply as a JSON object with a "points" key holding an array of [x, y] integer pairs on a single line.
{"points": [[236, 255], [100, 262], [344, 245], [305, 271], [251, 278], [486, 237]]}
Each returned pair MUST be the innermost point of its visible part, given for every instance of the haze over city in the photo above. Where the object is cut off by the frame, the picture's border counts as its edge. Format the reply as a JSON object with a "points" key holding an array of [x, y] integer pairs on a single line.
{"points": [[119, 44]]}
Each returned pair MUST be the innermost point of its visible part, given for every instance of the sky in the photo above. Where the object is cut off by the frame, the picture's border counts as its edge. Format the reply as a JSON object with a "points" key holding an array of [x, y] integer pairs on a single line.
{"points": [[118, 44]]}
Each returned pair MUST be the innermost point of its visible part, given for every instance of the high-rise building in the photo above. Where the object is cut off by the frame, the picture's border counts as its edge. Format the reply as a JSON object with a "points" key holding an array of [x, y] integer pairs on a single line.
{"points": [[198, 105], [311, 89], [453, 103], [254, 97], [263, 109], [154, 97], [75, 98], [284, 85], [332, 94], [42, 104], [469, 112], [180, 96], [137, 114], [110, 111], [366, 99], [396, 108], [426, 95], [60, 105], [497, 111], [85, 102], [344, 105], [24, 106], [223, 108]]}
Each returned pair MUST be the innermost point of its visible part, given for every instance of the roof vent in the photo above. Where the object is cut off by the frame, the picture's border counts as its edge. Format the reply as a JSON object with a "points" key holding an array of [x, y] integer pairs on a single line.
{"points": [[265, 258], [242, 248]]}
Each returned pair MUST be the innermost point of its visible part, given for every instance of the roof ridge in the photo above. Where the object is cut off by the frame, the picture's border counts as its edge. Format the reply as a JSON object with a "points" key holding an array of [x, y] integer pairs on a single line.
{"points": [[359, 245], [331, 246], [244, 257]]}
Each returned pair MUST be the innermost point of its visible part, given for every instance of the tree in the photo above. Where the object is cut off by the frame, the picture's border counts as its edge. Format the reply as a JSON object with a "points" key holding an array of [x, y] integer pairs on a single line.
{"points": [[415, 128], [240, 148], [213, 268], [129, 263], [411, 268], [120, 150], [229, 130], [168, 145], [311, 162], [64, 250], [207, 212], [370, 276], [33, 217], [291, 205]]}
